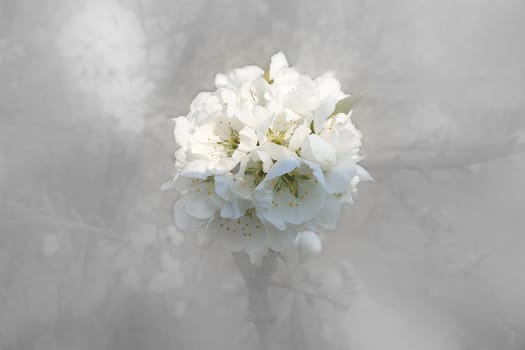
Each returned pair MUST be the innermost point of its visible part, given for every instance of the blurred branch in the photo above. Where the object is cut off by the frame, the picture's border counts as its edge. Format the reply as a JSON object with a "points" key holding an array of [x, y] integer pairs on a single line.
{"points": [[307, 293], [460, 160], [51, 220], [257, 280]]}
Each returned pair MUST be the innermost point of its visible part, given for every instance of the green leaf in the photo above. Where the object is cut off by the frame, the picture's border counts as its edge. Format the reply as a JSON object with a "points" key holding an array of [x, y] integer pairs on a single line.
{"points": [[346, 104]]}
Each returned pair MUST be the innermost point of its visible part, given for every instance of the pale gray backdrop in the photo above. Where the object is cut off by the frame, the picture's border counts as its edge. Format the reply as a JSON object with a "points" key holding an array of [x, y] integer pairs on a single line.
{"points": [[89, 257]]}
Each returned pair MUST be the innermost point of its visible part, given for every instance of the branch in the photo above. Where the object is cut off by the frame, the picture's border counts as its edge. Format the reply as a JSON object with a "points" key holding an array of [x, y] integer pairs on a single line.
{"points": [[308, 293], [423, 162], [257, 279], [52, 220]]}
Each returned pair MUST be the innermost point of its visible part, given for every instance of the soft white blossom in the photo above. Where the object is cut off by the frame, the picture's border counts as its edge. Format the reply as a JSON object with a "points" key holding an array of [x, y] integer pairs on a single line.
{"points": [[104, 50], [266, 155], [169, 278], [308, 243]]}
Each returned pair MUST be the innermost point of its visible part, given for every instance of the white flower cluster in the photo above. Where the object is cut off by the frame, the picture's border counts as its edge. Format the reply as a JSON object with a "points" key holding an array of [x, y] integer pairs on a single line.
{"points": [[265, 156]]}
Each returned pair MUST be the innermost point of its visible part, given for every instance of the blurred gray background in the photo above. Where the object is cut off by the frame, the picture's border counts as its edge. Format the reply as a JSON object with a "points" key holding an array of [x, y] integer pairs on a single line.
{"points": [[89, 256]]}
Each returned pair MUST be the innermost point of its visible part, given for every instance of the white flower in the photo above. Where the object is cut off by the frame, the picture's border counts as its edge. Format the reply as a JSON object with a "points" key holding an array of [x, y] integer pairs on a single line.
{"points": [[292, 193], [266, 155], [308, 243]]}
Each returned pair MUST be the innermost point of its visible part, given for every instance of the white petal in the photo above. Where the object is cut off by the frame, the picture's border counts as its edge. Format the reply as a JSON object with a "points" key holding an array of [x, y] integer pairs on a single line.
{"points": [[212, 106], [205, 130], [363, 174], [200, 100], [291, 116], [246, 115], [339, 178], [329, 87], [241, 188], [324, 110], [197, 168], [328, 216], [223, 186], [263, 198], [298, 137], [308, 243], [247, 74], [349, 141], [284, 81], [228, 189], [200, 201], [221, 80], [265, 158], [228, 96], [182, 183], [247, 140], [304, 98], [282, 167], [183, 220], [226, 164], [180, 158], [230, 100], [318, 173], [263, 120], [235, 208], [277, 63], [181, 131], [317, 150], [276, 151], [199, 209]]}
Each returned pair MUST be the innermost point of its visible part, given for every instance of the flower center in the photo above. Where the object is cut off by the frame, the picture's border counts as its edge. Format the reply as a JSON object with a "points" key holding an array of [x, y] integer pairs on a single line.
{"points": [[257, 172], [277, 137], [290, 182], [231, 144]]}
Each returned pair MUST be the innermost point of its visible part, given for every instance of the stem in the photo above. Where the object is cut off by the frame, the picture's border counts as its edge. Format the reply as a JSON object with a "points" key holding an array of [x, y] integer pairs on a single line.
{"points": [[257, 280]]}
